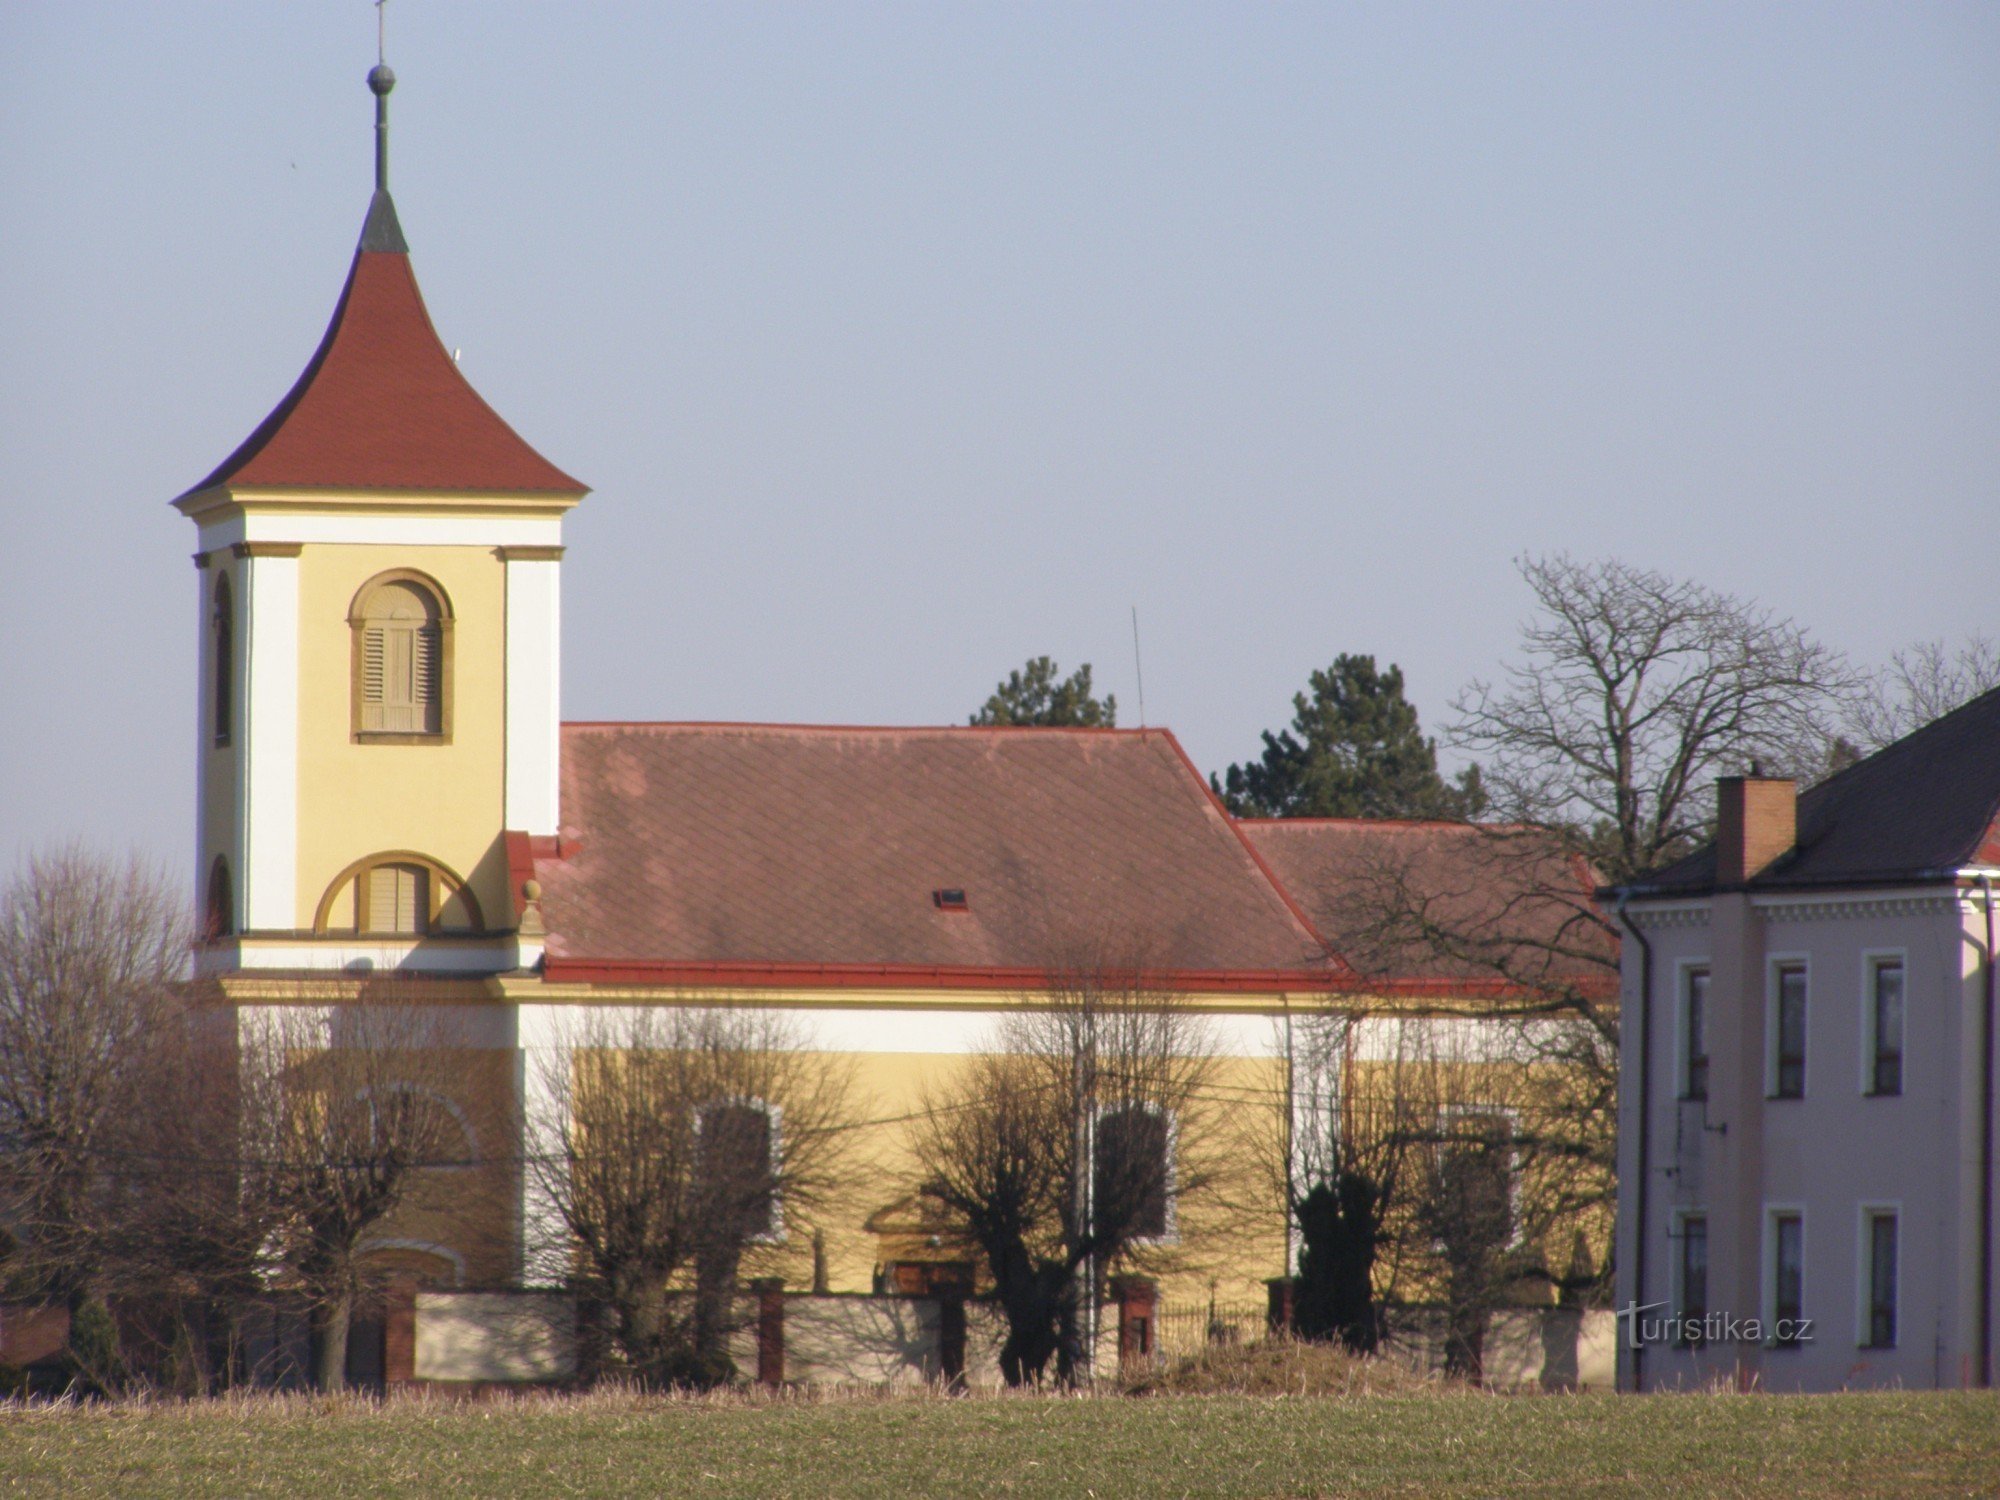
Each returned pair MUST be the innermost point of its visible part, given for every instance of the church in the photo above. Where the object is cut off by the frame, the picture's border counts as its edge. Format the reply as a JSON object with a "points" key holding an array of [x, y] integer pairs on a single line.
{"points": [[386, 785]]}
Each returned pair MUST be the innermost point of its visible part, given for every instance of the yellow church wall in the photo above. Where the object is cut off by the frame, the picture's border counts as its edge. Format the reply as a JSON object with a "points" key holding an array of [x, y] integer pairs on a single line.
{"points": [[1229, 1240], [442, 800]]}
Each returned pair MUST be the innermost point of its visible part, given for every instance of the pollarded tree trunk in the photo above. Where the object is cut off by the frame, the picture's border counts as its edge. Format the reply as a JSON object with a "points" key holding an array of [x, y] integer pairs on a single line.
{"points": [[334, 1319]]}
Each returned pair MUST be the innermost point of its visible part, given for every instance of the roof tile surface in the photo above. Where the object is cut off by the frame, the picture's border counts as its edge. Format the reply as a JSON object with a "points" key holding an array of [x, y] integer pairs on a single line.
{"points": [[761, 844], [1922, 806], [382, 406]]}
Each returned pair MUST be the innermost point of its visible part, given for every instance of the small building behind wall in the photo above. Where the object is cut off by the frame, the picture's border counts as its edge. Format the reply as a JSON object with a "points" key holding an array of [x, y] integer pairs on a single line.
{"points": [[1808, 1115]]}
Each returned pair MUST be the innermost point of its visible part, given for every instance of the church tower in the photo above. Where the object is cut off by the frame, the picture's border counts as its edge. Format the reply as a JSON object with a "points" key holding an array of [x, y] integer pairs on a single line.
{"points": [[380, 566]]}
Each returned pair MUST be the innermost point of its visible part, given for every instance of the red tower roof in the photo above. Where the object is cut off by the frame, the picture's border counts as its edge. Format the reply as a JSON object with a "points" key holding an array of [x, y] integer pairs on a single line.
{"points": [[382, 405]]}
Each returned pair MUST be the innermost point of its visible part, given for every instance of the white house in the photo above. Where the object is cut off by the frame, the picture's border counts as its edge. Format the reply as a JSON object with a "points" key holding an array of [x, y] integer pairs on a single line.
{"points": [[1806, 1152]]}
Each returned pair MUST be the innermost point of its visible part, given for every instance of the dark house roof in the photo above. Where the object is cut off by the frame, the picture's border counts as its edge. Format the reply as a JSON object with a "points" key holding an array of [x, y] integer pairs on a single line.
{"points": [[1448, 906], [382, 405], [1916, 810], [698, 853]]}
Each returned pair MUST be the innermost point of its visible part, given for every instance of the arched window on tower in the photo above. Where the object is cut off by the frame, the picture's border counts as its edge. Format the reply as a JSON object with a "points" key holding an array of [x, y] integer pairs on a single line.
{"points": [[399, 894], [219, 913], [222, 625], [402, 659]]}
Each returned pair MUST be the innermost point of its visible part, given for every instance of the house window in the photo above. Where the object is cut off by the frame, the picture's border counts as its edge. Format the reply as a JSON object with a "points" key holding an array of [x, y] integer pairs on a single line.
{"points": [[1694, 1035], [401, 658], [1694, 1278], [1879, 1276], [1788, 1276], [736, 1168], [1885, 1026], [222, 623], [1133, 1178], [1789, 1073]]}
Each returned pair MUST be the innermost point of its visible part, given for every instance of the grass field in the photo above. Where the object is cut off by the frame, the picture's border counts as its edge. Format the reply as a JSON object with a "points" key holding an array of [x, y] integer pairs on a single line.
{"points": [[1442, 1444]]}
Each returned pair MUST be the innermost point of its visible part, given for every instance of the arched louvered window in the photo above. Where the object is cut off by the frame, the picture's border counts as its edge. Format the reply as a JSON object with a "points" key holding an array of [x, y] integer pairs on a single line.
{"points": [[398, 894], [222, 626], [402, 659]]}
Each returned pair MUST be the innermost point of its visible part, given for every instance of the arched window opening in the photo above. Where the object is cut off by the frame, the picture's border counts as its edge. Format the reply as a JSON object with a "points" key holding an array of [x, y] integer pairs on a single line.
{"points": [[1134, 1169], [222, 626], [401, 658], [736, 1168], [398, 895], [219, 909]]}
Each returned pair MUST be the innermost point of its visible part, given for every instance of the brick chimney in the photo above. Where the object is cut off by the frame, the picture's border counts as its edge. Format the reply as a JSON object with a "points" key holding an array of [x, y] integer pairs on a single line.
{"points": [[1756, 822]]}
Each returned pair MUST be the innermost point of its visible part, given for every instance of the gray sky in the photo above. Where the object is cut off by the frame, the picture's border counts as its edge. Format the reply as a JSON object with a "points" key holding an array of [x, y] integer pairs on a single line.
{"points": [[900, 343]]}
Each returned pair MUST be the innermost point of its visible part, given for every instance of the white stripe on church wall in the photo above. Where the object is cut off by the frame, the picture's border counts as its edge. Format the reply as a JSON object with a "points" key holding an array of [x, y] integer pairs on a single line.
{"points": [[534, 694], [268, 787]]}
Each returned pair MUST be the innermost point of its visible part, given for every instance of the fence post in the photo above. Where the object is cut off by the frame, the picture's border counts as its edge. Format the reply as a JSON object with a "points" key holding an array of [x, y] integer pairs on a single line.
{"points": [[770, 1292], [1278, 1310], [1138, 1299]]}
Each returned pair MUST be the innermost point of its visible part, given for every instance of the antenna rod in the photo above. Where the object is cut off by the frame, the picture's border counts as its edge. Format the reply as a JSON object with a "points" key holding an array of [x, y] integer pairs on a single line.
{"points": [[1138, 667], [380, 81]]}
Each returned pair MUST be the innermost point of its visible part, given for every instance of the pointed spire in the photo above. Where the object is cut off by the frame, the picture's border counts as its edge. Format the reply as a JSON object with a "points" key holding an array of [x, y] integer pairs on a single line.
{"points": [[380, 231]]}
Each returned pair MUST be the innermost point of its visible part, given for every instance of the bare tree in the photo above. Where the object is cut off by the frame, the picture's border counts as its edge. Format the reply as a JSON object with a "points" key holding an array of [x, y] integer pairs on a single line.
{"points": [[346, 1110], [1084, 1141], [1501, 922], [1343, 1161], [685, 1139], [1921, 683], [1633, 691], [91, 954]]}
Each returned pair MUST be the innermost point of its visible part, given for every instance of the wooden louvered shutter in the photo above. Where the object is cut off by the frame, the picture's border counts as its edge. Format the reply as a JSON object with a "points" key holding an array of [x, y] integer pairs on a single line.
{"points": [[424, 684], [374, 676], [402, 662], [398, 899]]}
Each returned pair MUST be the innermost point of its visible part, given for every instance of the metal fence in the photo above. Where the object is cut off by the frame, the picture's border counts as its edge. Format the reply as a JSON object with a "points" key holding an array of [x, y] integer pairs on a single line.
{"points": [[1182, 1328]]}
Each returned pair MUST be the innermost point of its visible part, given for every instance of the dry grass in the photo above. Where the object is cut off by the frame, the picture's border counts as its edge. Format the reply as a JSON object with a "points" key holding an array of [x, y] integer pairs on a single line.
{"points": [[1282, 1367]]}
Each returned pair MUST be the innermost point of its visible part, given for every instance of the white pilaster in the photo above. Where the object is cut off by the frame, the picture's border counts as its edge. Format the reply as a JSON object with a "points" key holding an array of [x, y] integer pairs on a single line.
{"points": [[267, 788], [534, 688], [544, 1056]]}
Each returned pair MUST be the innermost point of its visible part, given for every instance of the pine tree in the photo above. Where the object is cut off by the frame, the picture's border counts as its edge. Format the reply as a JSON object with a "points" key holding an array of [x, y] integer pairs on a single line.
{"points": [[1354, 750], [1034, 696]]}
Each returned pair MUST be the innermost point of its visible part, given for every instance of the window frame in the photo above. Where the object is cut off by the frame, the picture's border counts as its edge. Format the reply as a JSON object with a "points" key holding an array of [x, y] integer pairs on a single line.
{"points": [[1873, 961], [1778, 965], [1685, 974], [1868, 1214], [357, 625], [1775, 1215]]}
